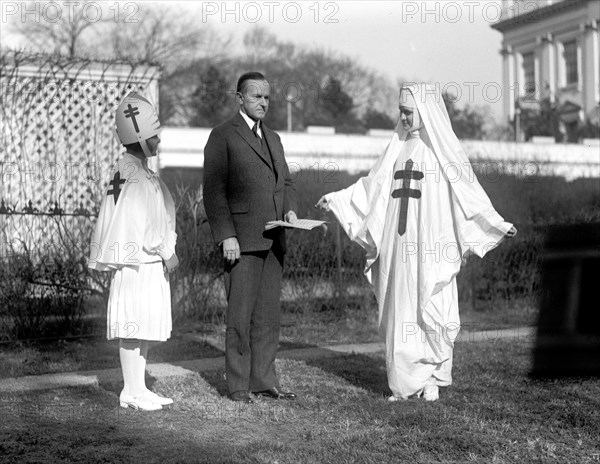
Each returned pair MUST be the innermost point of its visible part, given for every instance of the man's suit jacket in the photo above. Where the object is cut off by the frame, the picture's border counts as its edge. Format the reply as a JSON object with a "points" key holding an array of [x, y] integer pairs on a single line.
{"points": [[244, 188]]}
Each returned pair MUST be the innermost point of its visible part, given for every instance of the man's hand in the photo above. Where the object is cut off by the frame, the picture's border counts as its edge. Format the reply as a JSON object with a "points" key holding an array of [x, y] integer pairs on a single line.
{"points": [[171, 263], [512, 232], [291, 217], [323, 204], [231, 250]]}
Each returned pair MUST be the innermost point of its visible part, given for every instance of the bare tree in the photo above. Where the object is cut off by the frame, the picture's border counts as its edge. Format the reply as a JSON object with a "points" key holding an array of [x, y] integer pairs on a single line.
{"points": [[154, 32], [181, 45], [159, 33], [170, 35], [262, 46], [171, 38], [311, 70], [64, 29]]}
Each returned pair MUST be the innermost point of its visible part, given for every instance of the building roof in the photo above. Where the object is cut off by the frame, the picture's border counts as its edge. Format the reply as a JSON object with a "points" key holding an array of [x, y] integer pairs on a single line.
{"points": [[537, 14]]}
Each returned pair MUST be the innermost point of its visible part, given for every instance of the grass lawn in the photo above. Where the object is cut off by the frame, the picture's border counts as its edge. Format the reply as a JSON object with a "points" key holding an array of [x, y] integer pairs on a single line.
{"points": [[494, 413], [88, 354], [190, 340]]}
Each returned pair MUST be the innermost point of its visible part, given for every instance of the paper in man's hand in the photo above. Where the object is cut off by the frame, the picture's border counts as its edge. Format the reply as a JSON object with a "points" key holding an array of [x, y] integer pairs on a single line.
{"points": [[305, 224]]}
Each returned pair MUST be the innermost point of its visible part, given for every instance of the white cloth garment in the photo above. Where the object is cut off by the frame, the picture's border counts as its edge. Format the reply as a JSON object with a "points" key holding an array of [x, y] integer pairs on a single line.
{"points": [[139, 305], [413, 267], [135, 232]]}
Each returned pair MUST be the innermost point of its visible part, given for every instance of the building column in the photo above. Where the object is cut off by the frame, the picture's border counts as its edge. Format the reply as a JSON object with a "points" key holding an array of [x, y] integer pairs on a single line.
{"points": [[590, 67], [547, 81], [508, 83]]}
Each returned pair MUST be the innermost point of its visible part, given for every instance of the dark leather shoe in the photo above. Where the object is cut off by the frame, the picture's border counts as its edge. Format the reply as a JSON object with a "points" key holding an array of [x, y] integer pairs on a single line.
{"points": [[276, 393], [242, 396]]}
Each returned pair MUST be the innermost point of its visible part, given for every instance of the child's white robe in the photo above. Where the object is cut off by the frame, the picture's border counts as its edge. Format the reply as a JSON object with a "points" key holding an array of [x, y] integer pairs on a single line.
{"points": [[135, 232]]}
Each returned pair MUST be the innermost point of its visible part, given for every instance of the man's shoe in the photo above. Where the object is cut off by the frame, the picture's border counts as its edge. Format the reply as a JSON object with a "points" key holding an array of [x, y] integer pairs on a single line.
{"points": [[241, 396], [276, 393]]}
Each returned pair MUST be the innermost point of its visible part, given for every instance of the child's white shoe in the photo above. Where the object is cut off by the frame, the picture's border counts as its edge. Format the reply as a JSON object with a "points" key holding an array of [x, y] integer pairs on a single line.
{"points": [[140, 402], [157, 398]]}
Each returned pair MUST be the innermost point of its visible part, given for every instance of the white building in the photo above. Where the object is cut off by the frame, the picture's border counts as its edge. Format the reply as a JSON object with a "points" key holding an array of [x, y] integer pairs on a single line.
{"points": [[551, 49]]}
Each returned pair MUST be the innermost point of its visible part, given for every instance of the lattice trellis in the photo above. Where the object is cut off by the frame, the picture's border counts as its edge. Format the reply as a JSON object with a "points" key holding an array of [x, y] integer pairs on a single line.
{"points": [[56, 126], [57, 139]]}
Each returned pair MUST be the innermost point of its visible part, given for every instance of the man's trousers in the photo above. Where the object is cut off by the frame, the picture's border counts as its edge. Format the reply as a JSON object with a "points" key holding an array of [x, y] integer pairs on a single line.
{"points": [[253, 286]]}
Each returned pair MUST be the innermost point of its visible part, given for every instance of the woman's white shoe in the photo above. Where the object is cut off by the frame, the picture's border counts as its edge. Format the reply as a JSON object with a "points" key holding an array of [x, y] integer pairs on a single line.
{"points": [[157, 398], [396, 398], [431, 393], [141, 402]]}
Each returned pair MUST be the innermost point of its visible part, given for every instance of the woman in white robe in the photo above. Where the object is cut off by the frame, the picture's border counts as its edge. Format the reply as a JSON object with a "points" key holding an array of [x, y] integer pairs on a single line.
{"points": [[418, 213]]}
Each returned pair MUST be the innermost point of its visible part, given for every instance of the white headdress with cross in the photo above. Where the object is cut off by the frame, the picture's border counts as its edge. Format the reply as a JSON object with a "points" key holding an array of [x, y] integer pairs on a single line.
{"points": [[137, 121]]}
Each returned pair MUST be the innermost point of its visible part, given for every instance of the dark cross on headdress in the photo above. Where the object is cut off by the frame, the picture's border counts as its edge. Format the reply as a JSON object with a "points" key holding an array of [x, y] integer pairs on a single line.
{"points": [[132, 112], [406, 192], [116, 182]]}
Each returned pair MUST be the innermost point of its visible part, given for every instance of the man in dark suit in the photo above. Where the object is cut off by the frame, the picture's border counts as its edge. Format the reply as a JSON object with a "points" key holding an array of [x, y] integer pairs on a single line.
{"points": [[246, 184]]}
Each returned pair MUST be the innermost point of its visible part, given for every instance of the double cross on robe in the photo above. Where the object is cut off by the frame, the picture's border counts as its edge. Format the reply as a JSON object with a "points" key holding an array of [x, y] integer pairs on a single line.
{"points": [[116, 183], [406, 192]]}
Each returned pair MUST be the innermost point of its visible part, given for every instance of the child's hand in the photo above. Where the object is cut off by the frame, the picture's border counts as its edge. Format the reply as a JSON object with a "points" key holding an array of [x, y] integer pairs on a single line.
{"points": [[512, 232], [171, 263]]}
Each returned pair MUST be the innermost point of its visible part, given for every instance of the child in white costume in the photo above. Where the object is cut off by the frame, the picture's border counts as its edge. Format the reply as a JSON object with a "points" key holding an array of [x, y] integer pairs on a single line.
{"points": [[135, 237], [418, 213]]}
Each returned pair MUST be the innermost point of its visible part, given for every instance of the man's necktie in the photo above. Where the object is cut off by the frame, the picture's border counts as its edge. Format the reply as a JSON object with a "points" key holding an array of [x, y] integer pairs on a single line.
{"points": [[264, 146]]}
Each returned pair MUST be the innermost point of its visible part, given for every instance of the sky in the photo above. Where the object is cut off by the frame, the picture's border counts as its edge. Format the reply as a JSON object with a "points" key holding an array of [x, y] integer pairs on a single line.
{"points": [[449, 43]]}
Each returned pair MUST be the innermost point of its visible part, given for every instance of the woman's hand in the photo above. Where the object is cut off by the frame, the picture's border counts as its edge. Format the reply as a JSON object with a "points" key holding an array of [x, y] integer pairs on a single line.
{"points": [[323, 204], [171, 264]]}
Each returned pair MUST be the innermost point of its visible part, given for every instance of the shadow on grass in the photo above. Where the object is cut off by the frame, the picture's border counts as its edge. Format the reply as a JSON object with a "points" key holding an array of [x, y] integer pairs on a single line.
{"points": [[363, 371], [86, 354], [114, 383], [366, 372], [82, 425], [177, 348], [216, 379]]}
